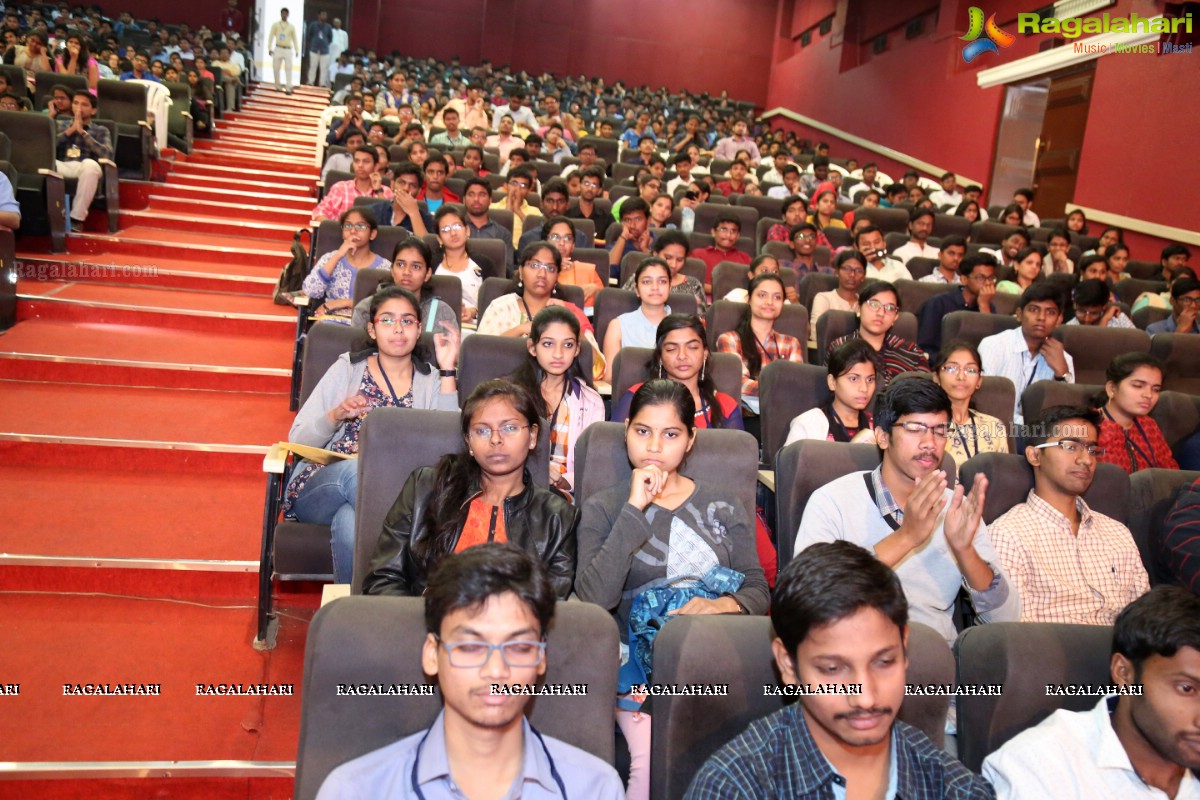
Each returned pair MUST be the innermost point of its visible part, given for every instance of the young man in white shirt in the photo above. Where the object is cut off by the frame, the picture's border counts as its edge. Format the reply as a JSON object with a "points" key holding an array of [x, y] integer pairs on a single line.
{"points": [[1130, 746], [1024, 199], [920, 227], [948, 195], [790, 174], [880, 265]]}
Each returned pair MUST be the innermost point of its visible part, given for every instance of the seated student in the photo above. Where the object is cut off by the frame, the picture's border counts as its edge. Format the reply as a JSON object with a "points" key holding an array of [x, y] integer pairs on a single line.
{"points": [[1057, 247], [663, 530], [434, 192], [561, 233], [1007, 253], [1129, 436], [483, 495], [591, 187], [1174, 258], [958, 369], [1108, 238], [1070, 564], [1029, 353], [332, 277], [838, 614], [344, 162], [920, 228], [845, 417], [824, 215], [639, 328], [681, 354], [1162, 299], [970, 210], [949, 257], [560, 388], [850, 268], [367, 182], [635, 235], [412, 269], [977, 287], [392, 373], [1093, 268], [1136, 745], [878, 308], [736, 184], [521, 181], [671, 247], [1185, 302], [1027, 266], [661, 209], [1177, 546], [761, 265], [792, 212], [932, 535], [726, 229], [1116, 258], [450, 222], [755, 341], [868, 240], [1095, 306], [491, 596]]}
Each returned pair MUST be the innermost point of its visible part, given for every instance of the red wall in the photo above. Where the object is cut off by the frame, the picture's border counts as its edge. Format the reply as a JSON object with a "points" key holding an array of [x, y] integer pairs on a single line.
{"points": [[921, 99]]}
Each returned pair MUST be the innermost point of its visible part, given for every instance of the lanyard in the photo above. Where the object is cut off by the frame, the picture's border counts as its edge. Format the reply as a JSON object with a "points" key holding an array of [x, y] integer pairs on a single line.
{"points": [[958, 432], [1033, 371], [388, 382], [836, 420], [416, 786], [561, 400], [1131, 445], [767, 356]]}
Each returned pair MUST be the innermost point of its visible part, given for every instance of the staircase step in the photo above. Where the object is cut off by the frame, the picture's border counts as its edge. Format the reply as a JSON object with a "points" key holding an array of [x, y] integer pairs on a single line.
{"points": [[259, 149], [277, 201], [226, 126], [148, 243], [200, 223], [281, 107], [295, 218], [113, 304], [166, 273], [275, 139], [301, 171], [220, 183]]}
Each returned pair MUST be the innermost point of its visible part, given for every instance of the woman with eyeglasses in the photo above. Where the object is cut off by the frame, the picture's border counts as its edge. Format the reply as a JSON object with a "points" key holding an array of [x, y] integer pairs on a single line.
{"points": [[412, 269], [561, 389], [672, 247], [485, 494], [958, 369], [851, 270], [755, 341], [681, 354], [844, 418], [390, 373], [663, 530], [1129, 435], [560, 232], [638, 328], [968, 209], [332, 277], [453, 232], [878, 310], [537, 281], [1028, 271]]}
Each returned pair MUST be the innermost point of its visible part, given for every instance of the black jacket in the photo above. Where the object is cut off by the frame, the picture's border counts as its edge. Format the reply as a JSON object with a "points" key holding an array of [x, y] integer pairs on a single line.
{"points": [[537, 520]]}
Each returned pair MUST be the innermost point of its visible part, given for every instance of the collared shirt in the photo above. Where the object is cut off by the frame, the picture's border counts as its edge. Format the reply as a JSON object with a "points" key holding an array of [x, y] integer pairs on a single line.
{"points": [[1119, 320], [897, 357], [518, 220], [1007, 354], [729, 146], [8, 201], [1074, 755], [340, 197], [776, 757], [941, 198], [387, 773], [1082, 579], [912, 249], [844, 510], [505, 145], [444, 139], [522, 116], [320, 34], [1169, 325], [937, 276], [283, 34], [713, 255], [95, 142], [777, 347], [892, 270]]}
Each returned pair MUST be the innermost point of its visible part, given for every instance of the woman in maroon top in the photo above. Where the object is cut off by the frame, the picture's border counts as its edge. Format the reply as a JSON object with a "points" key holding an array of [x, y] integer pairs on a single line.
{"points": [[1130, 438]]}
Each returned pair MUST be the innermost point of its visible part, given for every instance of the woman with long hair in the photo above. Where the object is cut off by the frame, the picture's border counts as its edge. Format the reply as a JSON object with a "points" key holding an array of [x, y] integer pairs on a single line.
{"points": [[844, 417], [453, 232], [968, 209], [1012, 215], [1076, 222], [483, 495], [393, 372], [412, 269], [672, 247], [77, 60], [637, 328], [755, 341], [1129, 435], [681, 354], [561, 389], [664, 530], [959, 370], [332, 277], [1116, 255], [1108, 238], [824, 215], [537, 288], [1027, 272], [560, 232]]}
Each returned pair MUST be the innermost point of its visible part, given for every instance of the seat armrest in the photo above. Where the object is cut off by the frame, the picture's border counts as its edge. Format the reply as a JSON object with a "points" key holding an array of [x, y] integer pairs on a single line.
{"points": [[107, 162], [145, 124], [276, 459], [49, 173]]}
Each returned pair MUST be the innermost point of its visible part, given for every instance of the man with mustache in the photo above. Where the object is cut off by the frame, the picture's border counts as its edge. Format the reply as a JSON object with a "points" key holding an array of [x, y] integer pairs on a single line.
{"points": [[909, 513], [841, 622]]}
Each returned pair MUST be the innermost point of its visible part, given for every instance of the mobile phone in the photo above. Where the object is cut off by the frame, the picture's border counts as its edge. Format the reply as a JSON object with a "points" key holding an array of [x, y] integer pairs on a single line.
{"points": [[692, 195]]}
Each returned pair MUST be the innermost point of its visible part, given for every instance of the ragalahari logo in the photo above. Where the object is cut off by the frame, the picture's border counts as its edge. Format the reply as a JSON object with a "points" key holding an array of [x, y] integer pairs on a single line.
{"points": [[995, 36]]}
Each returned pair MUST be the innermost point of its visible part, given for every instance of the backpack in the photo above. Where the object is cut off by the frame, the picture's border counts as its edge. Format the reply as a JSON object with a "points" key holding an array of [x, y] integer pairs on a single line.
{"points": [[291, 278]]}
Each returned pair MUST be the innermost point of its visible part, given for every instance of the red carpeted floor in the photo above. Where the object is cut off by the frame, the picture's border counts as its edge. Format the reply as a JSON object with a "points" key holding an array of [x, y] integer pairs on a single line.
{"points": [[146, 376]]}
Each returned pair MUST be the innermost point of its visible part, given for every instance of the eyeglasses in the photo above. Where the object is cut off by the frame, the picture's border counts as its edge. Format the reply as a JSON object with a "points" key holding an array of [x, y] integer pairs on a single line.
{"points": [[389, 321], [806, 237], [1088, 313], [453, 227], [507, 431], [591, 185], [729, 231], [559, 237], [887, 308], [355, 226], [519, 184], [853, 270], [920, 428], [475, 654], [1188, 301], [1071, 447], [549, 268], [954, 369]]}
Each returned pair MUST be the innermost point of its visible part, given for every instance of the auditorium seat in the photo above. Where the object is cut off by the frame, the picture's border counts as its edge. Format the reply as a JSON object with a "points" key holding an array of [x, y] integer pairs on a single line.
{"points": [[691, 266], [913, 294], [706, 217], [761, 229], [1146, 316], [887, 220], [974, 326], [1130, 289], [1152, 495], [920, 267], [745, 243], [485, 357], [1177, 414], [632, 366], [949, 225], [894, 240], [1180, 354], [612, 303], [1143, 270], [786, 390], [813, 284], [766, 206], [835, 324], [125, 104], [446, 288], [39, 189], [987, 232], [728, 276], [1093, 348], [724, 315]]}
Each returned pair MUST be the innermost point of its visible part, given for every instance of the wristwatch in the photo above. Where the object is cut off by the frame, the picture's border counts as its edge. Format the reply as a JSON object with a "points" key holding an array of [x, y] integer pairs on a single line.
{"points": [[448, 373], [1062, 378]]}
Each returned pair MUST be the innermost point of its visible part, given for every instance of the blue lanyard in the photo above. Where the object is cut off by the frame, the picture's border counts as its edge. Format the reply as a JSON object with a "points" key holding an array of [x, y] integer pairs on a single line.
{"points": [[416, 786]]}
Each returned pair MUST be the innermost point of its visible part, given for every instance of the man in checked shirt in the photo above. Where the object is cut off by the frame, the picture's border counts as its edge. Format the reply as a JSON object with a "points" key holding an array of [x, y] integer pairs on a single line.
{"points": [[80, 147]]}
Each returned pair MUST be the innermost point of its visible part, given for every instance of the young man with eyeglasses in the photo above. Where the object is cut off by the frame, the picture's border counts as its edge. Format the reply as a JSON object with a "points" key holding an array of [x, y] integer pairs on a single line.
{"points": [[1029, 353], [1070, 564], [1185, 303], [727, 227], [487, 610], [906, 511], [977, 286], [591, 188], [520, 183]]}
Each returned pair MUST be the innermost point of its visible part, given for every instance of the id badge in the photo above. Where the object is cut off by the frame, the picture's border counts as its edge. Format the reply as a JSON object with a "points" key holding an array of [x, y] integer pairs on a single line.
{"points": [[73, 152]]}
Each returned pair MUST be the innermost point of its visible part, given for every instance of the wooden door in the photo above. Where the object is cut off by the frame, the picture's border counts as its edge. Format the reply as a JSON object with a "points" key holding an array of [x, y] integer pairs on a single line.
{"points": [[1061, 140]]}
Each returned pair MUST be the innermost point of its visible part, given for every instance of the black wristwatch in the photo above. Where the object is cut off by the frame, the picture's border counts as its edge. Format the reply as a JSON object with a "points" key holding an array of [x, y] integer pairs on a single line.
{"points": [[448, 373]]}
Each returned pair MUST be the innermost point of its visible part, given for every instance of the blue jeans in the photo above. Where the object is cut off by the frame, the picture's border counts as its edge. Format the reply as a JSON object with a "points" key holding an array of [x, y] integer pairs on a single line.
{"points": [[328, 499]]}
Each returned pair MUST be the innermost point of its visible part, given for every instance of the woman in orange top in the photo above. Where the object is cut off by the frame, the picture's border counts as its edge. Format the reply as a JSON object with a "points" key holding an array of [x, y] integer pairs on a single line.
{"points": [[485, 494], [560, 232]]}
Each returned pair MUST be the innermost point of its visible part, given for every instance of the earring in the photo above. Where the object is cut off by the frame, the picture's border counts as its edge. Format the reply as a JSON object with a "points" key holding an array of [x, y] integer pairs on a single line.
{"points": [[702, 366], [660, 370]]}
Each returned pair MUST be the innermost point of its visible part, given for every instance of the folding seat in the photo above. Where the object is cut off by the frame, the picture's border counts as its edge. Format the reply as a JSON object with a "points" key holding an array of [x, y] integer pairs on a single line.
{"points": [[596, 256], [624, 172], [1128, 290], [1002, 653], [337, 176], [736, 651], [803, 467], [486, 357], [974, 326], [1092, 348], [46, 81], [124, 102], [632, 366], [612, 303], [1143, 270], [621, 190], [728, 275], [457, 185], [894, 240], [913, 294], [920, 267], [1180, 354], [1040, 234], [8, 276], [706, 217], [786, 390], [764, 225], [724, 315], [887, 220], [547, 170], [495, 287], [377, 640], [834, 324], [1044, 394], [767, 206], [988, 232], [813, 284], [1146, 316], [778, 250], [838, 237], [949, 225], [447, 288], [719, 166], [180, 125], [16, 80], [694, 267], [39, 190]]}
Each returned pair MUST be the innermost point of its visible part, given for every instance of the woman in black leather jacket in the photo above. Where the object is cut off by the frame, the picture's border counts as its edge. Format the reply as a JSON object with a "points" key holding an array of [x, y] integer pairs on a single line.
{"points": [[483, 495]]}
